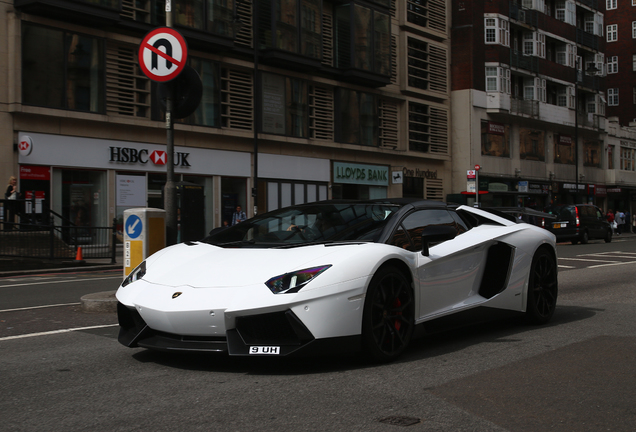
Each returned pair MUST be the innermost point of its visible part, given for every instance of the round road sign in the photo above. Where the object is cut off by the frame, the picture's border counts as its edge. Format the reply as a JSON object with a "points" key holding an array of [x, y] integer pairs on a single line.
{"points": [[477, 167], [162, 54]]}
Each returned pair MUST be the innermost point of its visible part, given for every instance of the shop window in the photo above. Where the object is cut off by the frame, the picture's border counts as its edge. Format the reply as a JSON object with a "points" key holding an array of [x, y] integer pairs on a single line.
{"points": [[357, 118], [291, 25], [563, 149], [61, 69], [285, 193], [532, 145], [363, 39], [285, 106], [495, 139]]}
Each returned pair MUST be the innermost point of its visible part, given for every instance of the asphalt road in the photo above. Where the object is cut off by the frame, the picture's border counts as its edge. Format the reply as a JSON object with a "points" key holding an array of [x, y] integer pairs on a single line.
{"points": [[63, 370]]}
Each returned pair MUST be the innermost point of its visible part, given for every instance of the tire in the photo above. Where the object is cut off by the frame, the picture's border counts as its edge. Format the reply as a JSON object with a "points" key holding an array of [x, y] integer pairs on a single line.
{"points": [[585, 237], [389, 315], [608, 236], [543, 288]]}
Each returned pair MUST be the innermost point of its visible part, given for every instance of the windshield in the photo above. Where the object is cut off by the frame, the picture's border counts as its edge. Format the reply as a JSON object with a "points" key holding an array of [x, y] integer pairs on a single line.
{"points": [[308, 224]]}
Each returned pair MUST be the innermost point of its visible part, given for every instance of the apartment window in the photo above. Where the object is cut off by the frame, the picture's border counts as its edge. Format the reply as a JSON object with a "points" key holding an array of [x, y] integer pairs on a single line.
{"points": [[565, 55], [497, 31], [628, 159], [566, 11], [612, 32], [592, 153], [633, 29], [565, 97], [427, 65], [533, 4], [285, 106], [497, 79], [612, 65], [428, 14], [291, 25], [534, 44], [428, 128], [62, 69], [634, 62], [534, 89], [610, 4], [363, 39], [213, 16], [612, 96], [208, 112], [357, 117]]}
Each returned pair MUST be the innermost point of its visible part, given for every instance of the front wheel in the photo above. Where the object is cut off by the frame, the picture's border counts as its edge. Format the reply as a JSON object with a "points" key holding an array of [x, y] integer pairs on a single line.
{"points": [[608, 236], [543, 288], [388, 317]]}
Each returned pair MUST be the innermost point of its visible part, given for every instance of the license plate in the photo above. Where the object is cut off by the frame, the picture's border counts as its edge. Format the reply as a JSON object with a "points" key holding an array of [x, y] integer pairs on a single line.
{"points": [[560, 225], [265, 350]]}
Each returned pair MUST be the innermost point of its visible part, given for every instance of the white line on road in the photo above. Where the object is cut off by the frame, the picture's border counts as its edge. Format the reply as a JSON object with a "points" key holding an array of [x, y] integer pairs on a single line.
{"points": [[588, 260], [60, 281], [55, 332], [38, 307]]}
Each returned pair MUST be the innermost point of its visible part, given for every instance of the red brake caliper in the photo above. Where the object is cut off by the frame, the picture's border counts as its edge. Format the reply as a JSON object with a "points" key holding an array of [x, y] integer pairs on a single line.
{"points": [[397, 323]]}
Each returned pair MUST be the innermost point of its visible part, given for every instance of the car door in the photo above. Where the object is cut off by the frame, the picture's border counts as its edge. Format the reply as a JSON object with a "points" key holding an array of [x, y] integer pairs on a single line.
{"points": [[444, 280]]}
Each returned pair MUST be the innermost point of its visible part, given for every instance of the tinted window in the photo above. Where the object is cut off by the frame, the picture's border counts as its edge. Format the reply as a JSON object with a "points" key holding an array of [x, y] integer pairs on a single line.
{"points": [[409, 235]]}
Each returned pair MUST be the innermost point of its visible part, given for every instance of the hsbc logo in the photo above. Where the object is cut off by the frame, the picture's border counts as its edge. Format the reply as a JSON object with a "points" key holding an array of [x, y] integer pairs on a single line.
{"points": [[157, 157]]}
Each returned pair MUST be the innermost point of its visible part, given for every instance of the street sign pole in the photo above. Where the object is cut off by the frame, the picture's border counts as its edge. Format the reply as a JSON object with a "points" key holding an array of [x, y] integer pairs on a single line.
{"points": [[170, 190]]}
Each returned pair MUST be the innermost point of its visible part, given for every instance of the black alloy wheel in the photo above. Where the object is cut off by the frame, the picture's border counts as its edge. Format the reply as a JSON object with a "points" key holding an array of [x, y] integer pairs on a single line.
{"points": [[543, 288], [389, 315], [585, 237], [608, 236]]}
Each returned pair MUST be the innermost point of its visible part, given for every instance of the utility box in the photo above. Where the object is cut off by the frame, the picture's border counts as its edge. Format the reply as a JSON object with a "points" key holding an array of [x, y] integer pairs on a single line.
{"points": [[191, 211], [144, 234]]}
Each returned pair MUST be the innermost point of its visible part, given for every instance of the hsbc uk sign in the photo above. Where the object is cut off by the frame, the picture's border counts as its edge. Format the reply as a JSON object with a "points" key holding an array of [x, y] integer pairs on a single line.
{"points": [[143, 156]]}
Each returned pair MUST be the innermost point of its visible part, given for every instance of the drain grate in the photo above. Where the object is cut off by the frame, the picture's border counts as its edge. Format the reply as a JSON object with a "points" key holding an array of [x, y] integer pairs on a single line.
{"points": [[400, 420]]}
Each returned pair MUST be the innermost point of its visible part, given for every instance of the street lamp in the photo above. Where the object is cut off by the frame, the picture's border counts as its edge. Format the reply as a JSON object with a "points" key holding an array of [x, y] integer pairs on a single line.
{"points": [[590, 70]]}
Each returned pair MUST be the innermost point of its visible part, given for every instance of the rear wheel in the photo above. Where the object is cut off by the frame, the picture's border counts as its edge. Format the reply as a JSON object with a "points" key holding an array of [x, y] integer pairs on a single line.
{"points": [[543, 288], [608, 236], [388, 318], [585, 237]]}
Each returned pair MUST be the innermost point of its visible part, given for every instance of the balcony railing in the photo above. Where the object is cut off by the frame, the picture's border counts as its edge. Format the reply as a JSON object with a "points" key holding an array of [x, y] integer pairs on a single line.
{"points": [[524, 107], [587, 39], [521, 61]]}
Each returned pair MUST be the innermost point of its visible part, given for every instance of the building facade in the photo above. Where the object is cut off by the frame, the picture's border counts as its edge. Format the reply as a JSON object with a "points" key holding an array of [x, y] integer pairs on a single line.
{"points": [[620, 49], [302, 100], [527, 102]]}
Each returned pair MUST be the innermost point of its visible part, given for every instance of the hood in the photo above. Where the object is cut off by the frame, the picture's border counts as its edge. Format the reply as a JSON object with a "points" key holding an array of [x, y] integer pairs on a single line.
{"points": [[201, 265]]}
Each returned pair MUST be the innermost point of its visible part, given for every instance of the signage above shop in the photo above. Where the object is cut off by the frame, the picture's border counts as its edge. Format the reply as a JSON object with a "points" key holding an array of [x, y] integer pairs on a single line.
{"points": [[408, 172], [372, 175], [158, 157]]}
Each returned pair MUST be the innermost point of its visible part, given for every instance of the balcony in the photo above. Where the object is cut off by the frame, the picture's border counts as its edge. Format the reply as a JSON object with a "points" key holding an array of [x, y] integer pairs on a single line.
{"points": [[587, 39], [519, 61]]}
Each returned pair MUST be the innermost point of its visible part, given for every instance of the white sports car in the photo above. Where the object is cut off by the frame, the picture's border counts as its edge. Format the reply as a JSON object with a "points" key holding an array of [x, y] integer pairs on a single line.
{"points": [[337, 276]]}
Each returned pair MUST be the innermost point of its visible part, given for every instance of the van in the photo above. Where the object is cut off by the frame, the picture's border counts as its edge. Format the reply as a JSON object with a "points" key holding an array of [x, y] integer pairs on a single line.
{"points": [[579, 223]]}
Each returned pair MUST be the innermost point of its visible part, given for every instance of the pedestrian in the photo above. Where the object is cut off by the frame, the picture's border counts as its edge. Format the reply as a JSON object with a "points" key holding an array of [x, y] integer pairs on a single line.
{"points": [[11, 195], [610, 218], [238, 216], [619, 217], [628, 222]]}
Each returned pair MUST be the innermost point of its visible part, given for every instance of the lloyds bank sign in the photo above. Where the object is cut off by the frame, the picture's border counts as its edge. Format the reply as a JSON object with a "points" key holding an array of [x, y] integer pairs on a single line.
{"points": [[372, 175]]}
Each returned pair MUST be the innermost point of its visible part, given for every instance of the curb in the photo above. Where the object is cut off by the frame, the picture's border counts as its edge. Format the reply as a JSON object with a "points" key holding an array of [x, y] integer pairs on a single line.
{"points": [[102, 302]]}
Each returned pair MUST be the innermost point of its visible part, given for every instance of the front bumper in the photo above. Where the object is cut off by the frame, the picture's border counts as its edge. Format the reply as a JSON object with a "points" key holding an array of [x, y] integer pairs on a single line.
{"points": [[277, 333]]}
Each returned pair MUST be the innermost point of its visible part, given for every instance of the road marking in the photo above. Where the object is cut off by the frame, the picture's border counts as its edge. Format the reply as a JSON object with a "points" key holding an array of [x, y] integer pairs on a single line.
{"points": [[49, 333], [613, 264], [38, 307], [560, 265], [589, 260], [60, 281]]}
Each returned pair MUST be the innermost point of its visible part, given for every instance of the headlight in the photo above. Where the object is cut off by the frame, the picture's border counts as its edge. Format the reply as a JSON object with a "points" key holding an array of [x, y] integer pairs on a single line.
{"points": [[136, 274], [293, 282]]}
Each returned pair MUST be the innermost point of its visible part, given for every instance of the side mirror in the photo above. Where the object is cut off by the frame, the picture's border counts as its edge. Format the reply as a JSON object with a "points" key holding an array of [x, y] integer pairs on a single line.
{"points": [[436, 234]]}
